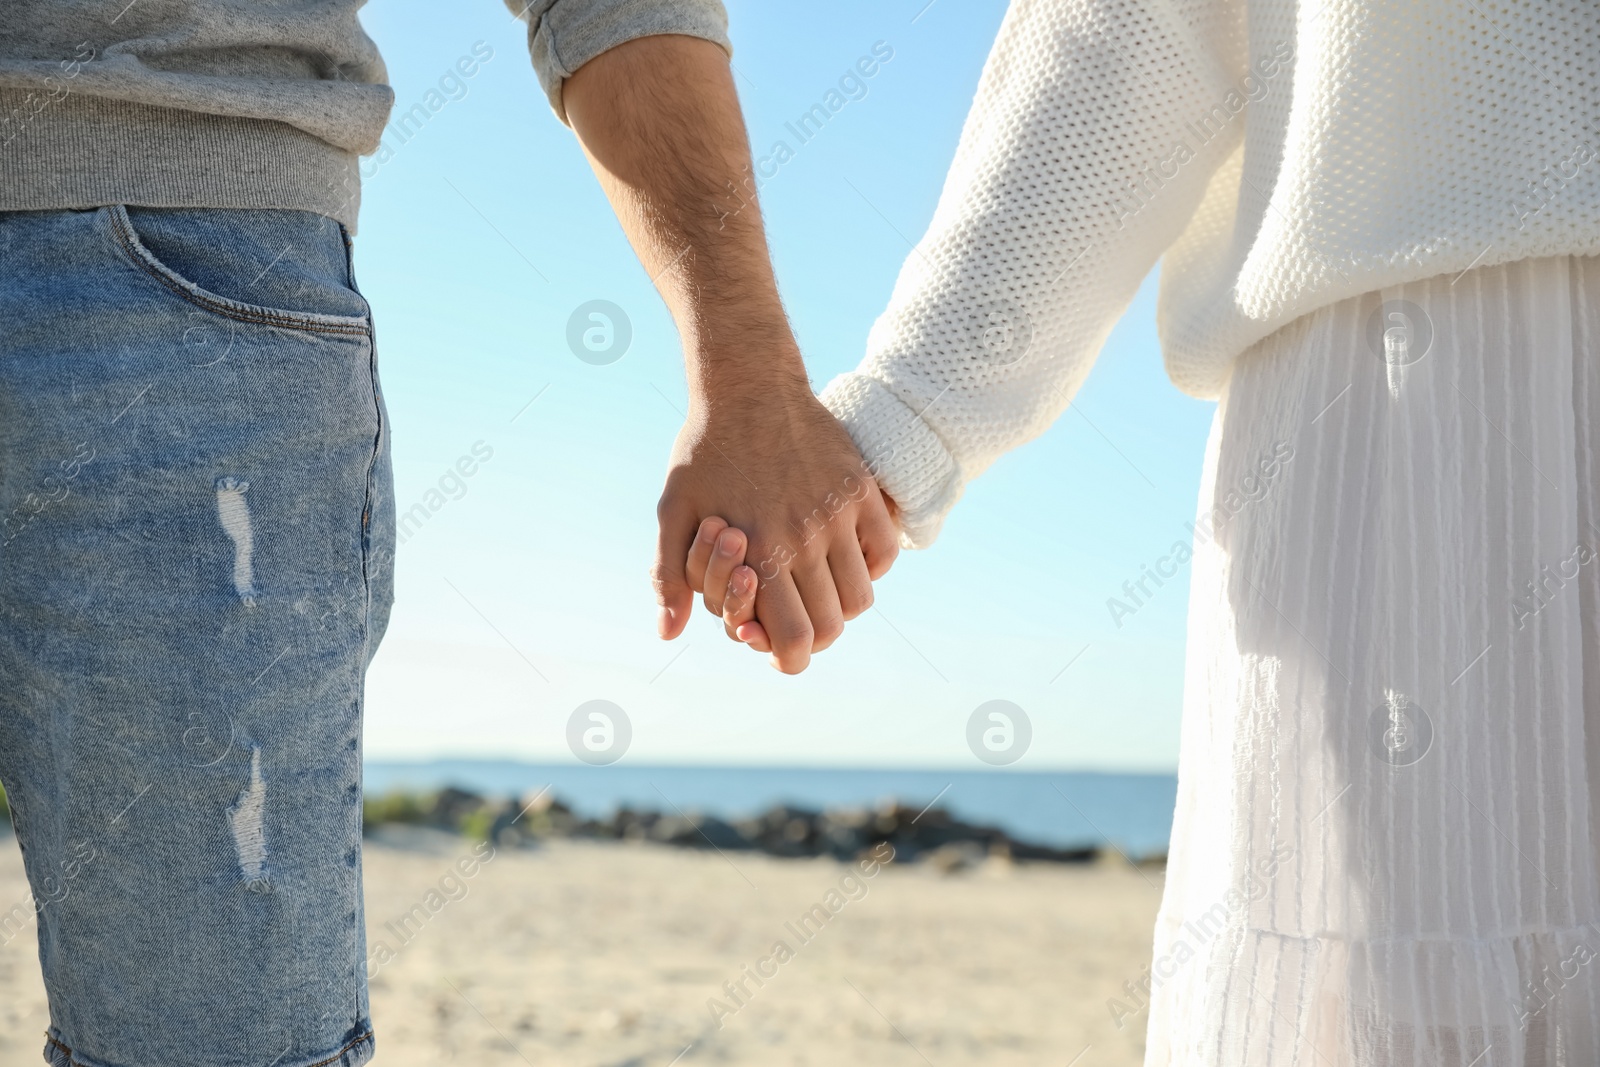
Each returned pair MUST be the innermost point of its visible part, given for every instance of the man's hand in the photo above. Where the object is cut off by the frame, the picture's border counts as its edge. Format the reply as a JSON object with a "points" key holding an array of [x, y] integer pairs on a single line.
{"points": [[716, 561], [659, 120], [805, 517]]}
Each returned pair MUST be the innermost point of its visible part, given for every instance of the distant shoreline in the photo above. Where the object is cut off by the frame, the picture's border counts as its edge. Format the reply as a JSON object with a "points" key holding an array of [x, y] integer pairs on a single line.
{"points": [[890, 832], [1061, 810]]}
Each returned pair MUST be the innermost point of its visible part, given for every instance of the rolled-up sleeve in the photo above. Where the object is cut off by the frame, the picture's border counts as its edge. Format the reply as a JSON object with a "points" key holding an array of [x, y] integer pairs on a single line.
{"points": [[563, 35]]}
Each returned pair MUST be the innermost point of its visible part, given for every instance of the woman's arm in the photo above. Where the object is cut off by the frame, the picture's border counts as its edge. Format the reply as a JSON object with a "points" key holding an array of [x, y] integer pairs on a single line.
{"points": [[1096, 127]]}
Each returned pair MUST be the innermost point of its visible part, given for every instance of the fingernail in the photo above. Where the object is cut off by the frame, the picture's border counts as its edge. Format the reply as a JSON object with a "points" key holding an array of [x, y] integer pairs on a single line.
{"points": [[664, 624], [728, 546]]}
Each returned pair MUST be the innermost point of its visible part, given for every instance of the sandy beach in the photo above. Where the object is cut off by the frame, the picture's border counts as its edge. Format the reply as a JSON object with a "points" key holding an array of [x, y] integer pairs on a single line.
{"points": [[628, 955]]}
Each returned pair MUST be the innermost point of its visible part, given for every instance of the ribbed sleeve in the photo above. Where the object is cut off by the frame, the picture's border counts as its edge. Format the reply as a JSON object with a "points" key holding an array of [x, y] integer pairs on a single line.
{"points": [[1055, 209], [563, 35]]}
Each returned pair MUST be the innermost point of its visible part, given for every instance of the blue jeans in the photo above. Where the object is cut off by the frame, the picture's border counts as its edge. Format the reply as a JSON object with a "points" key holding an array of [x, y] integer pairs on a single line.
{"points": [[196, 538]]}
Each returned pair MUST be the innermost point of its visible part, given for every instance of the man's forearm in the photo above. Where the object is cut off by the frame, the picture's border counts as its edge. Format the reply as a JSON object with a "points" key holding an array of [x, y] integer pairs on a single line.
{"points": [[660, 122]]}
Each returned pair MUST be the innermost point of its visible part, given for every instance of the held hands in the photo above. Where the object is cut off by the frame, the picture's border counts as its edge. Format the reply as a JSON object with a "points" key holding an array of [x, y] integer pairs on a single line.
{"points": [[770, 513], [717, 562]]}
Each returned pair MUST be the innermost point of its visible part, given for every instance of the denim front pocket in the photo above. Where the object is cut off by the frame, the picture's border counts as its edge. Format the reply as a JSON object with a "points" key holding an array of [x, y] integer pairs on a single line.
{"points": [[218, 244]]}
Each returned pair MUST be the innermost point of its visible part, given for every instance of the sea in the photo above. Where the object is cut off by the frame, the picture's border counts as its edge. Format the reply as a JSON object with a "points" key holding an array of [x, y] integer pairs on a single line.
{"points": [[1129, 812]]}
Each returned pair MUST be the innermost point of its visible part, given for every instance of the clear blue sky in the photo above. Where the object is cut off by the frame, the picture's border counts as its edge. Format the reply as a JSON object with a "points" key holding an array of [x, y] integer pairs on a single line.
{"points": [[483, 233]]}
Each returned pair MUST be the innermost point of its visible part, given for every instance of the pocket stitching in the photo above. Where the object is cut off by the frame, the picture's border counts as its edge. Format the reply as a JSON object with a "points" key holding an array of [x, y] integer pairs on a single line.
{"points": [[127, 239]]}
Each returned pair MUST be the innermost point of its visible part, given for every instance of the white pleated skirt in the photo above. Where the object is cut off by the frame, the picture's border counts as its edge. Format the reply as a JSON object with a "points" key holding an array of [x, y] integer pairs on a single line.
{"points": [[1385, 851]]}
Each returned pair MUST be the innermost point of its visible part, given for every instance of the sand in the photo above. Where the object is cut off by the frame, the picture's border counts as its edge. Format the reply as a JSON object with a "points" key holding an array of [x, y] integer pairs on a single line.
{"points": [[606, 955]]}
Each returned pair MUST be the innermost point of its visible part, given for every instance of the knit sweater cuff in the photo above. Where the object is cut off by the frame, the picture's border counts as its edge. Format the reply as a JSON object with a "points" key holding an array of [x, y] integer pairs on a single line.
{"points": [[909, 461]]}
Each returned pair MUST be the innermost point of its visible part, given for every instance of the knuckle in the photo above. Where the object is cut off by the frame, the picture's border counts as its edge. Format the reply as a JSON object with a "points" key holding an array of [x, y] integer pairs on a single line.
{"points": [[856, 605], [829, 630], [792, 637], [772, 553]]}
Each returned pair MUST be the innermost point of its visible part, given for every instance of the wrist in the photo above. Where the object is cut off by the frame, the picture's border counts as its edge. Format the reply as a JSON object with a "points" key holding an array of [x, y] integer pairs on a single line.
{"points": [[745, 368]]}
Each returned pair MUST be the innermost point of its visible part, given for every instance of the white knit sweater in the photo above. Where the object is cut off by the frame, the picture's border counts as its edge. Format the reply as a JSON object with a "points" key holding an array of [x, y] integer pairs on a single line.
{"points": [[1277, 157]]}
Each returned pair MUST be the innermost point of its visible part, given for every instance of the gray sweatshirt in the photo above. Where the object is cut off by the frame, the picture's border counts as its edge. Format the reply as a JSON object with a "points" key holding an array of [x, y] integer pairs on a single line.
{"points": [[239, 103]]}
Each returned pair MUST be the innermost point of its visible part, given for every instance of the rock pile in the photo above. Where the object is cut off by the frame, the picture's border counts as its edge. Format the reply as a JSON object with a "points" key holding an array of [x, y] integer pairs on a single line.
{"points": [[932, 834]]}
